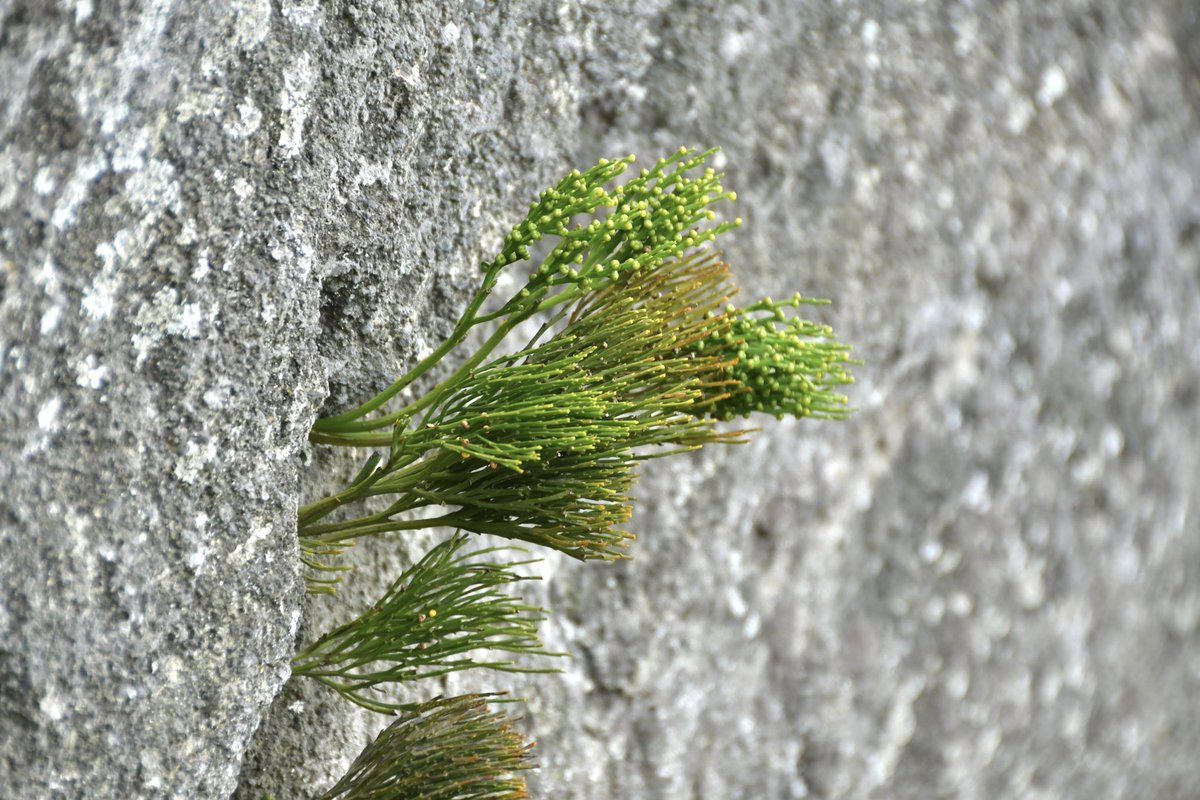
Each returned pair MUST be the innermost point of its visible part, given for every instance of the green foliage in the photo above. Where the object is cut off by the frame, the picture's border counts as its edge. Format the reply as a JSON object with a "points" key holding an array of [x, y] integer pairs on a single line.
{"points": [[443, 749], [659, 215], [541, 445], [445, 606], [779, 365], [639, 354]]}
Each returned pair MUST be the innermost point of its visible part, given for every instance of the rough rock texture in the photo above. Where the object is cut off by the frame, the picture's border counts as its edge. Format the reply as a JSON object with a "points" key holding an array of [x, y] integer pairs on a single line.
{"points": [[216, 218]]}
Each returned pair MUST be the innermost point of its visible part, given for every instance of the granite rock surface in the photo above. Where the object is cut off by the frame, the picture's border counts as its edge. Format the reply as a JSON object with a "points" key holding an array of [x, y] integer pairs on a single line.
{"points": [[218, 220]]}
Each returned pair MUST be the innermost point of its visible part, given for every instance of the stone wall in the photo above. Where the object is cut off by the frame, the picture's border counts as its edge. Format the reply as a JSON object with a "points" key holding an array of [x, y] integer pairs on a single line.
{"points": [[218, 219]]}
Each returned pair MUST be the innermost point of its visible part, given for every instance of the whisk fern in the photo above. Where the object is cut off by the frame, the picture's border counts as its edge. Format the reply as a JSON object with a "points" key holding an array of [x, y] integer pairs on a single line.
{"points": [[658, 215], [779, 365], [443, 608], [445, 749], [639, 352], [541, 445]]}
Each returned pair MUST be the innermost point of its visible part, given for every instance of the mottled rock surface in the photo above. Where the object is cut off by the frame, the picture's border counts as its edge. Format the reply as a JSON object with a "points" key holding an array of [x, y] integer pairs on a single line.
{"points": [[218, 219]]}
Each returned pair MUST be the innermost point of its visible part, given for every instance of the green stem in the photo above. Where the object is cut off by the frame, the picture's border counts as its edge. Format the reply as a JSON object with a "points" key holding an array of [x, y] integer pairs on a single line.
{"points": [[362, 481], [340, 532], [434, 395], [338, 422], [399, 478], [339, 429], [357, 439]]}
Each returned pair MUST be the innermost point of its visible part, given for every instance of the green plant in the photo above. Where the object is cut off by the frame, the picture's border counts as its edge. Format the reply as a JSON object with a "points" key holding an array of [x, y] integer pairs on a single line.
{"points": [[638, 352], [445, 606], [445, 748]]}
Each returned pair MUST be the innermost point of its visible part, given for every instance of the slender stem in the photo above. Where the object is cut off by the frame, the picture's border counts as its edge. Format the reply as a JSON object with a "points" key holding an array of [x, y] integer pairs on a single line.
{"points": [[319, 508], [355, 531], [320, 531], [434, 395], [356, 439], [468, 320], [367, 476], [334, 430], [401, 479], [398, 478]]}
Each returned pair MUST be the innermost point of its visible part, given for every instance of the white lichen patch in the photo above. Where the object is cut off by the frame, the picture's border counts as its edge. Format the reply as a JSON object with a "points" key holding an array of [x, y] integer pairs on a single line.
{"points": [[835, 156], [247, 549], [897, 732], [219, 395], [369, 173], [203, 266], [1016, 105], [50, 320], [201, 104], [302, 14], [977, 494], [197, 539], [1052, 87], [165, 316], [189, 234], [91, 374], [252, 23], [293, 102], [47, 417], [187, 324], [133, 149], [410, 75], [733, 44], [270, 311], [196, 557], [245, 121], [47, 425], [153, 189], [83, 10], [292, 248], [53, 706], [75, 192], [99, 299], [44, 182], [8, 179], [170, 669], [46, 275], [870, 39], [114, 118], [196, 455]]}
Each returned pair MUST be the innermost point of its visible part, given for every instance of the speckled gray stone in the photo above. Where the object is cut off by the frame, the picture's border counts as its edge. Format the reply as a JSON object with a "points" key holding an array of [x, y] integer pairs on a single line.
{"points": [[218, 219]]}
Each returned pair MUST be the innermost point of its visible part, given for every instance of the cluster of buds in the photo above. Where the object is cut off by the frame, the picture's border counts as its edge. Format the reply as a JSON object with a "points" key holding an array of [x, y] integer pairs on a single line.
{"points": [[779, 365], [660, 214]]}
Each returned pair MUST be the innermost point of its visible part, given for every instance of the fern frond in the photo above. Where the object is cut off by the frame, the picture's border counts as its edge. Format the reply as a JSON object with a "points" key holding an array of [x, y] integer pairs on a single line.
{"points": [[447, 749], [437, 618]]}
